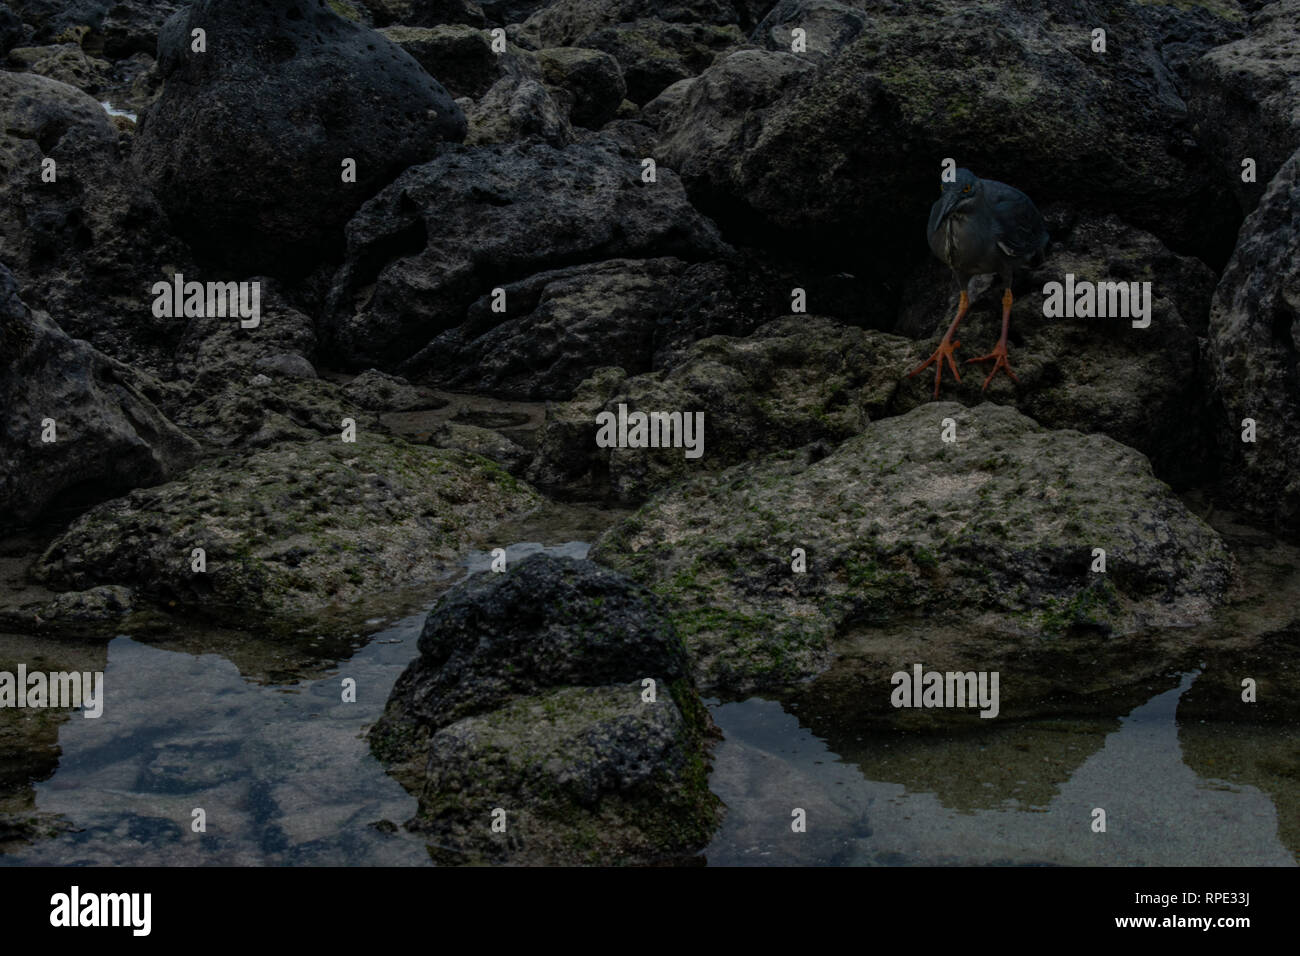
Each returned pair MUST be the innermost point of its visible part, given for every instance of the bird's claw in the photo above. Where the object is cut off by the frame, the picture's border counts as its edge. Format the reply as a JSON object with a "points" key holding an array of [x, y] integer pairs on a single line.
{"points": [[999, 358], [945, 350]]}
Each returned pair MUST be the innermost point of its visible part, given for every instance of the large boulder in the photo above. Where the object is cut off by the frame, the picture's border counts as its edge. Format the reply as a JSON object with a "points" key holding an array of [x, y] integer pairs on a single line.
{"points": [[529, 695], [448, 232], [638, 314], [108, 436], [1253, 365], [290, 531], [833, 161], [1140, 386], [1245, 96], [996, 529], [246, 146], [88, 246]]}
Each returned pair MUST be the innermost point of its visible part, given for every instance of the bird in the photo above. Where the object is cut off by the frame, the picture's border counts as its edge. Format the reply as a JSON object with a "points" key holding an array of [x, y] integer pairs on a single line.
{"points": [[977, 227]]}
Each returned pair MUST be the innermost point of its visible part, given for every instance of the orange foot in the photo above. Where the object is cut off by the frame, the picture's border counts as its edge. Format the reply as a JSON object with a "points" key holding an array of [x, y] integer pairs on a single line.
{"points": [[944, 351], [999, 358]]}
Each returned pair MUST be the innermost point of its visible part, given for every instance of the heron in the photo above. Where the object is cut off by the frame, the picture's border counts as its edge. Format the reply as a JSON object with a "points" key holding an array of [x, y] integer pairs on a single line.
{"points": [[981, 226]]}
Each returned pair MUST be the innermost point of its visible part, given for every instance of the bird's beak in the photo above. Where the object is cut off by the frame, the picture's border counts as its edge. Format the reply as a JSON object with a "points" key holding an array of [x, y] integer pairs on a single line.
{"points": [[949, 202]]}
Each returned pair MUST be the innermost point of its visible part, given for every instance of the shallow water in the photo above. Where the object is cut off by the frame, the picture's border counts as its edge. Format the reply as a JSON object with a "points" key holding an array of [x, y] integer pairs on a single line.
{"points": [[279, 764]]}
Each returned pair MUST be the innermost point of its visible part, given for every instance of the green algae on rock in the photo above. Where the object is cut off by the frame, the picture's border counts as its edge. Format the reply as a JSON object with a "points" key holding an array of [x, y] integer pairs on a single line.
{"points": [[290, 531], [793, 381], [997, 529], [528, 696]]}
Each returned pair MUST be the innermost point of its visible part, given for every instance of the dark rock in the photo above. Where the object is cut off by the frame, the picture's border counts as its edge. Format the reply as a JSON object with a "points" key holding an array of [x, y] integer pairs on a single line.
{"points": [[563, 324], [654, 55], [829, 26], [519, 108], [490, 444], [460, 56], [1140, 386], [996, 529], [115, 28], [1245, 96], [289, 531], [1253, 365], [527, 694], [12, 31], [568, 22], [426, 13], [796, 380], [87, 247], [594, 79], [447, 232], [849, 151], [381, 392], [246, 144], [109, 437]]}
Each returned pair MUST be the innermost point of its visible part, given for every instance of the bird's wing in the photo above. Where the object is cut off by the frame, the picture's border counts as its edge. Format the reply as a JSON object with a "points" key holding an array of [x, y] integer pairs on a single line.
{"points": [[1021, 231]]}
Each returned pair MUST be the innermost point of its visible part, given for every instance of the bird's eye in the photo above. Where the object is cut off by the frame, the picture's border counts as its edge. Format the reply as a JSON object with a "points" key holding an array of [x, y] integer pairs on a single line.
{"points": [[965, 189]]}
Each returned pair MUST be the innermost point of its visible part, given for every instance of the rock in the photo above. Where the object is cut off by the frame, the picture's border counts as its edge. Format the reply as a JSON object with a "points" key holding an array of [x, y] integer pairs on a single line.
{"points": [[485, 442], [992, 83], [568, 22], [1140, 386], [12, 31], [448, 232], [703, 123], [290, 531], [828, 27], [79, 611], [88, 246], [565, 323], [518, 108], [381, 392], [65, 62], [511, 11], [117, 28], [594, 79], [995, 530], [215, 350], [108, 436], [284, 95], [794, 381], [1254, 328], [654, 55], [426, 13], [460, 56], [285, 365], [1246, 98], [667, 102], [527, 694]]}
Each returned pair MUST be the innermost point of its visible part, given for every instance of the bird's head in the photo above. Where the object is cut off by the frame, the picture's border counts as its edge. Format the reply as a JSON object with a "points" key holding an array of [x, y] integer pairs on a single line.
{"points": [[960, 194]]}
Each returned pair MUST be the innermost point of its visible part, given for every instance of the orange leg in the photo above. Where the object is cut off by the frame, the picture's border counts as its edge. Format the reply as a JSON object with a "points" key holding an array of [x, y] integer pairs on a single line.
{"points": [[999, 354], [945, 349]]}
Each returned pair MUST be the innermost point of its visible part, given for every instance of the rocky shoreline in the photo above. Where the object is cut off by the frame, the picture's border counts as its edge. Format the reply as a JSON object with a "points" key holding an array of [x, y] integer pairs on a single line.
{"points": [[474, 228]]}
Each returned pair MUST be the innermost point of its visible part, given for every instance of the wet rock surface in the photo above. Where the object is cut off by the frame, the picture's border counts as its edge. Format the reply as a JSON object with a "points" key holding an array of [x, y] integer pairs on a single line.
{"points": [[290, 530], [528, 694], [998, 527]]}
